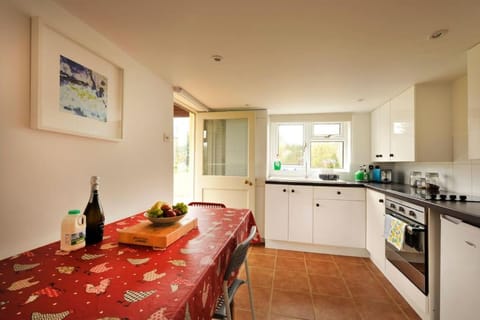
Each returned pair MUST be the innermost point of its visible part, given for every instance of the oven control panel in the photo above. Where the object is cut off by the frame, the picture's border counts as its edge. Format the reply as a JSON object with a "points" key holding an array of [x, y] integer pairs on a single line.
{"points": [[407, 209]]}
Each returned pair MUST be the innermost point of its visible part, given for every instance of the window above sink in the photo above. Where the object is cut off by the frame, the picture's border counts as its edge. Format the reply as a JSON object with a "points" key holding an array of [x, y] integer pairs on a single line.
{"points": [[309, 148]]}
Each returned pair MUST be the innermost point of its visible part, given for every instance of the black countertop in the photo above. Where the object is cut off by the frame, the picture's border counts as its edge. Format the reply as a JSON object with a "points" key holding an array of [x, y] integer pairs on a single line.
{"points": [[468, 212], [315, 182]]}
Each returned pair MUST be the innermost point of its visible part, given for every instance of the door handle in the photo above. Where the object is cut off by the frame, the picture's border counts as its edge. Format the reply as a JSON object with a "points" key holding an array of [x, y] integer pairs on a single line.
{"points": [[451, 219], [471, 244]]}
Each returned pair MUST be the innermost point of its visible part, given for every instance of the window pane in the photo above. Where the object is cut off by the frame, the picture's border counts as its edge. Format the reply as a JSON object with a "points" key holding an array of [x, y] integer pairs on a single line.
{"points": [[325, 129], [225, 147], [290, 144], [326, 155]]}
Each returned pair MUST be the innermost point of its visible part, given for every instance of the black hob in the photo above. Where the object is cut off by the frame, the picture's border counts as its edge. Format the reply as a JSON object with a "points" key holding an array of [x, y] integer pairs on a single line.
{"points": [[442, 195]]}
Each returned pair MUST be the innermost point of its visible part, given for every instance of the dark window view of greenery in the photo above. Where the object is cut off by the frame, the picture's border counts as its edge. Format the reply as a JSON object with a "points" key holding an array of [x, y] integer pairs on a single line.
{"points": [[290, 144], [325, 155]]}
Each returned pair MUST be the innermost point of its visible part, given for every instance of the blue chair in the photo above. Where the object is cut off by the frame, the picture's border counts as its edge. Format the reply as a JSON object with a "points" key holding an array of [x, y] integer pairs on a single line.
{"points": [[239, 256]]}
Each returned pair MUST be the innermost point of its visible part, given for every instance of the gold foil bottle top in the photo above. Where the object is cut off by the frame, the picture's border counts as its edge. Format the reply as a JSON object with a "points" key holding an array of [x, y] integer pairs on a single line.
{"points": [[95, 180]]}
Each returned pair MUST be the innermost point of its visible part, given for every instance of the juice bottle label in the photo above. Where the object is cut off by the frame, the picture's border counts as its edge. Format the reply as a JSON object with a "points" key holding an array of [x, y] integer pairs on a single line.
{"points": [[76, 238]]}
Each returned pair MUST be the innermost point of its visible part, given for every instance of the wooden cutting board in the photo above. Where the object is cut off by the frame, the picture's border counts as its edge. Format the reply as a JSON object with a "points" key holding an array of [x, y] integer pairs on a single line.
{"points": [[147, 234]]}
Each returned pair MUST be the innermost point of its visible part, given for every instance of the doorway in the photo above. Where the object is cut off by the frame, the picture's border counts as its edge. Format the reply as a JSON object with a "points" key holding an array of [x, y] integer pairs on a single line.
{"points": [[225, 158], [183, 155]]}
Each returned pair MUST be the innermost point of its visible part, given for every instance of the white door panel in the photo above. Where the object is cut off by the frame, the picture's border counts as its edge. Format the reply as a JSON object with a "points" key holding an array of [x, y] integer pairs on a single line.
{"points": [[235, 198], [225, 158]]}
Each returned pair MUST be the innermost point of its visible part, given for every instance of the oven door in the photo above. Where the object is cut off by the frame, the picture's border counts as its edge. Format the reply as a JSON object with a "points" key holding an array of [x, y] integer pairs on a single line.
{"points": [[411, 260]]}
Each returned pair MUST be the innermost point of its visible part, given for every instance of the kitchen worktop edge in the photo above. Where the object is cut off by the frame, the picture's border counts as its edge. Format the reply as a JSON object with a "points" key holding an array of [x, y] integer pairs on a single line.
{"points": [[316, 183]]}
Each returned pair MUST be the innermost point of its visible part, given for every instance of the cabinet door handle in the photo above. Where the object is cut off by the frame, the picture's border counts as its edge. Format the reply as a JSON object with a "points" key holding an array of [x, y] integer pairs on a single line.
{"points": [[381, 200], [451, 219], [471, 244], [317, 205], [391, 154], [284, 190], [338, 192], [293, 190]]}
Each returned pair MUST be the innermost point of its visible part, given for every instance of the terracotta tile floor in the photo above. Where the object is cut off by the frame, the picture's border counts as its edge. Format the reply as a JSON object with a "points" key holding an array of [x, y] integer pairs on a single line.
{"points": [[290, 285]]}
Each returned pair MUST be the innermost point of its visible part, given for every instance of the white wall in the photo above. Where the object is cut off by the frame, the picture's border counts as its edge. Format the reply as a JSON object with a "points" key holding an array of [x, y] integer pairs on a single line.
{"points": [[44, 174], [461, 175]]}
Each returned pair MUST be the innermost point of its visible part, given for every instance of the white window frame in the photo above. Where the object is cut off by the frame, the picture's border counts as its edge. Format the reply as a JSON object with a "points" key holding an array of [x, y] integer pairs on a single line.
{"points": [[305, 171]]}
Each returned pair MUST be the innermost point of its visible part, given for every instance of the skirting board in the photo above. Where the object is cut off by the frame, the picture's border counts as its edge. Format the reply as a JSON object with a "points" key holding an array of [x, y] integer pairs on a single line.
{"points": [[315, 248]]}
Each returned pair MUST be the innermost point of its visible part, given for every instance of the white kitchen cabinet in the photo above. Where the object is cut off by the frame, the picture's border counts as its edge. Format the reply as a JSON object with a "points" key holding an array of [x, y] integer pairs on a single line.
{"points": [[339, 217], [473, 83], [412, 117], [300, 214], [288, 212], [375, 241], [459, 269], [276, 211], [402, 120], [380, 126]]}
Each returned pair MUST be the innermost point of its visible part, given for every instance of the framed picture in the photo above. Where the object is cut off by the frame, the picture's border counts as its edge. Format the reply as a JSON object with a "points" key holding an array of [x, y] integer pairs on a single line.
{"points": [[74, 90]]}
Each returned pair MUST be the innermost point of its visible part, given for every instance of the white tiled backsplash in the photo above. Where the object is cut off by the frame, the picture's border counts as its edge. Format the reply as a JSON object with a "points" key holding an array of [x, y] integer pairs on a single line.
{"points": [[460, 177]]}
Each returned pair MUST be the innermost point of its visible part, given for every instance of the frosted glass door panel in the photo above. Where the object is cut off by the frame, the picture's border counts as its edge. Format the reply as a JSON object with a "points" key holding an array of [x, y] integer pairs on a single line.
{"points": [[225, 147]]}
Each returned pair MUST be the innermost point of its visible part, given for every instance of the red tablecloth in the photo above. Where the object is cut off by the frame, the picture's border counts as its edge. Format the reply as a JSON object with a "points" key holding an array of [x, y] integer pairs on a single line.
{"points": [[116, 281]]}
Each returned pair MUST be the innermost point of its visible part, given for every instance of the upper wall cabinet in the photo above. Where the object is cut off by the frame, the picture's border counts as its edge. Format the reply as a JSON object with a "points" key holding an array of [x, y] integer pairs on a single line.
{"points": [[414, 126], [473, 79], [380, 133]]}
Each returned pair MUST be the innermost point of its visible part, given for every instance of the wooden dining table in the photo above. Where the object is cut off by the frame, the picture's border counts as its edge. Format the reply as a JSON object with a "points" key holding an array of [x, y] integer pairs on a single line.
{"points": [[111, 280]]}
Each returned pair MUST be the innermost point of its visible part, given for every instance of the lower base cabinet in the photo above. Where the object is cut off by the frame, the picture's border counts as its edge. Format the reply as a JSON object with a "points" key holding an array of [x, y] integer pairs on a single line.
{"points": [[288, 213], [339, 223], [375, 228], [339, 217], [459, 270]]}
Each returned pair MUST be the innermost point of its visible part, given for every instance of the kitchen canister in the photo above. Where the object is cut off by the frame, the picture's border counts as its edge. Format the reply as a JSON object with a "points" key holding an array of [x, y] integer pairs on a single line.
{"points": [[377, 174], [414, 177]]}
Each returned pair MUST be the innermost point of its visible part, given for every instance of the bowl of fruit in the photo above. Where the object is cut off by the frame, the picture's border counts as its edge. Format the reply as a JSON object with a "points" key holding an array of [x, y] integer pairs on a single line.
{"points": [[163, 213]]}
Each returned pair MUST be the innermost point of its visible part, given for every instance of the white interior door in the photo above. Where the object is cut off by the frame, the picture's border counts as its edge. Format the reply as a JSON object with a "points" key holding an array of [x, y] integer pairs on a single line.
{"points": [[225, 158]]}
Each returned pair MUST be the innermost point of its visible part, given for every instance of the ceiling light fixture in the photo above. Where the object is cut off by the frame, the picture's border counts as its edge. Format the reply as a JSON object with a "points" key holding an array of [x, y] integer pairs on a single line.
{"points": [[217, 58], [438, 34], [186, 100]]}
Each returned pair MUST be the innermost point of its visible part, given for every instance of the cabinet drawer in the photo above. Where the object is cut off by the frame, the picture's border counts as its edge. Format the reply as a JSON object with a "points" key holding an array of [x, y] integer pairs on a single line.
{"points": [[333, 193]]}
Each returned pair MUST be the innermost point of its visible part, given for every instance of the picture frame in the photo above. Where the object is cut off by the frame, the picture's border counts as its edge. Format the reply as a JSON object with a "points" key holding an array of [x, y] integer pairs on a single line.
{"points": [[73, 89]]}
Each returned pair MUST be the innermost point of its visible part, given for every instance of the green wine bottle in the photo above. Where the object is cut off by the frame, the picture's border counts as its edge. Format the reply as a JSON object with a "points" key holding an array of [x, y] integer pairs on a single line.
{"points": [[94, 215]]}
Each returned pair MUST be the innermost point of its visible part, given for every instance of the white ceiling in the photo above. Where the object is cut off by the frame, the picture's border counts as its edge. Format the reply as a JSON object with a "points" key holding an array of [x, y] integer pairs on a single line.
{"points": [[290, 56]]}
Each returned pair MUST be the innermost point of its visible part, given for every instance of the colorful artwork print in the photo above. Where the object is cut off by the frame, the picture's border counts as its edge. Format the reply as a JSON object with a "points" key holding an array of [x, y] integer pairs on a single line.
{"points": [[83, 91]]}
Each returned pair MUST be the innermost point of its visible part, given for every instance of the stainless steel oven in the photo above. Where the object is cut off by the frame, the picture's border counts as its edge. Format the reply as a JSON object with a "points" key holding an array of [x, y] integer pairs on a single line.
{"points": [[412, 257]]}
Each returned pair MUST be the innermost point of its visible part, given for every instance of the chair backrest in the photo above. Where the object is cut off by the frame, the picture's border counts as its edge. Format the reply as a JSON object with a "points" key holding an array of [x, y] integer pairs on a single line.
{"points": [[239, 254], [206, 204]]}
